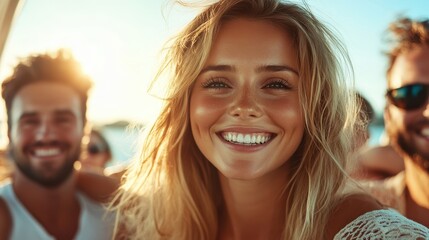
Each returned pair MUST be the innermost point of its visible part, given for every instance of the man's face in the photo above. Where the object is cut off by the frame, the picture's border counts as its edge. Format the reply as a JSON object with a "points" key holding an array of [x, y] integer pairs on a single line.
{"points": [[46, 130], [409, 129]]}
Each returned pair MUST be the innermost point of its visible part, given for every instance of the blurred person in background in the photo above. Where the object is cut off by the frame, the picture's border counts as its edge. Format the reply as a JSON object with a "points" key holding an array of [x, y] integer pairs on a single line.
{"points": [[372, 162], [377, 162], [407, 120], [46, 99], [367, 115], [97, 153]]}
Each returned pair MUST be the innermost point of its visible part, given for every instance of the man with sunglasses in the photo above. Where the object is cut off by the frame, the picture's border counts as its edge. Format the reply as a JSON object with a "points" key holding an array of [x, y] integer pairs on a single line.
{"points": [[46, 109], [407, 120]]}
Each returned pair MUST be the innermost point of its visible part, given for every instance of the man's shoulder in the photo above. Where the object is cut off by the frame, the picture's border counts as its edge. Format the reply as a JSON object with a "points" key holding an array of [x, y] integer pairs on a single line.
{"points": [[6, 189], [5, 219]]}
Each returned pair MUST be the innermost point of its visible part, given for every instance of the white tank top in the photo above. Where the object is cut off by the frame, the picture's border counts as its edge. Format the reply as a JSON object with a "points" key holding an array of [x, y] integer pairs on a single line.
{"points": [[94, 221]]}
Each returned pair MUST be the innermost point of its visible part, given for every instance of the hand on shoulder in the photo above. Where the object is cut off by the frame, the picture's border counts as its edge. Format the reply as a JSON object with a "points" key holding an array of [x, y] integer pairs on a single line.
{"points": [[98, 187], [378, 162]]}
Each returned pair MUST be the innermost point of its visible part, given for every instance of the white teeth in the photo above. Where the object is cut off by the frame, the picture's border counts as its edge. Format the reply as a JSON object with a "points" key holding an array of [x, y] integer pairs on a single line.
{"points": [[246, 139], [425, 132], [240, 138], [46, 152]]}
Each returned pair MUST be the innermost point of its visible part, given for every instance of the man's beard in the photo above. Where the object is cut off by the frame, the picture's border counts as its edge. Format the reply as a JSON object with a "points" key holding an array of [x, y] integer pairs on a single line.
{"points": [[60, 177], [406, 147]]}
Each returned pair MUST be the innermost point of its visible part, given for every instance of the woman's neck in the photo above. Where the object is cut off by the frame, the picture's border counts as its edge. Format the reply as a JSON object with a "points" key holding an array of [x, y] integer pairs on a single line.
{"points": [[253, 209]]}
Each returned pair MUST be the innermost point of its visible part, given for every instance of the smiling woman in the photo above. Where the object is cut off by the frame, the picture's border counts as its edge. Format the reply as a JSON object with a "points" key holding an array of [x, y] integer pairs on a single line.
{"points": [[260, 96], [254, 136]]}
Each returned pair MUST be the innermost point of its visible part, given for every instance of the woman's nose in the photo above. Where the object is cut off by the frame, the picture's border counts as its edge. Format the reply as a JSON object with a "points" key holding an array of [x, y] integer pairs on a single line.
{"points": [[245, 105]]}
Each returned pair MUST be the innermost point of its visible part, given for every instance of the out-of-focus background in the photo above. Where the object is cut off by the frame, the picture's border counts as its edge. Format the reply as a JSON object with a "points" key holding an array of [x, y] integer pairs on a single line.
{"points": [[118, 44]]}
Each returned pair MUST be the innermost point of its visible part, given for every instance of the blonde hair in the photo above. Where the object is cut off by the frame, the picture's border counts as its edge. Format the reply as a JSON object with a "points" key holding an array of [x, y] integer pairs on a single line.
{"points": [[6, 167], [173, 192]]}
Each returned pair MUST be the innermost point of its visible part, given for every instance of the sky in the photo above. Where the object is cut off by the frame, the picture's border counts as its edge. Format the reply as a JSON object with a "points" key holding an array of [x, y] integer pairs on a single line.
{"points": [[118, 43]]}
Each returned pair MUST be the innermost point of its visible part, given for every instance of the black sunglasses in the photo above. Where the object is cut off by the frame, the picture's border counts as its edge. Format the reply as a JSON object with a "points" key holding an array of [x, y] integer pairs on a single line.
{"points": [[94, 149], [409, 97]]}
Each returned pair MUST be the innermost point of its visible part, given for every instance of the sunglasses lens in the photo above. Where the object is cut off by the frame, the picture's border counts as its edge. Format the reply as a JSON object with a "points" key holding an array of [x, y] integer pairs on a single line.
{"points": [[93, 149], [409, 97]]}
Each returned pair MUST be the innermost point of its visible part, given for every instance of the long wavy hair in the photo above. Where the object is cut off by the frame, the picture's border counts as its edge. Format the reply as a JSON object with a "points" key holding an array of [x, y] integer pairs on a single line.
{"points": [[173, 192]]}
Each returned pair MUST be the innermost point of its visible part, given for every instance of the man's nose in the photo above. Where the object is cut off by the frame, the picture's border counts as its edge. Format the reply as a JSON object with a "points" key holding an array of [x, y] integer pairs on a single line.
{"points": [[46, 131]]}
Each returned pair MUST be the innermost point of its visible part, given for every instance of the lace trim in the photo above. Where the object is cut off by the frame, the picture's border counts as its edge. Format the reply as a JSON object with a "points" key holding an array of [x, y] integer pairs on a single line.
{"points": [[383, 224]]}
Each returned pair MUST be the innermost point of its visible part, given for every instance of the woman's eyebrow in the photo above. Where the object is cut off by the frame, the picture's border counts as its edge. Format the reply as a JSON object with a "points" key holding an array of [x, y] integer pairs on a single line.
{"points": [[264, 68], [277, 68], [217, 68]]}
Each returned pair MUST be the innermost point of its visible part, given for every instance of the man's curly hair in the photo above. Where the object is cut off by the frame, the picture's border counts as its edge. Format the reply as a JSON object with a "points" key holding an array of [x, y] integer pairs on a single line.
{"points": [[406, 34], [58, 67]]}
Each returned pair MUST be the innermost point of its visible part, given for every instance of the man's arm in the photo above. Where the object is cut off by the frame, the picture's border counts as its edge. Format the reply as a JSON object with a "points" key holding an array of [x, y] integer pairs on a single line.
{"points": [[377, 162], [5, 220], [98, 187]]}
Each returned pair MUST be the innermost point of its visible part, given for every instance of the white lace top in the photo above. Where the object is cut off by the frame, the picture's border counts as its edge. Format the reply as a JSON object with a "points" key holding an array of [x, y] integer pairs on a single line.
{"points": [[383, 224]]}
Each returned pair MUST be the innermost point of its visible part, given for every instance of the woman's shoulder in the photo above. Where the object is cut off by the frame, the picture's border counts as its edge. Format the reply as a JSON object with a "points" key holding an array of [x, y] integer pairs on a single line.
{"points": [[361, 215], [349, 208]]}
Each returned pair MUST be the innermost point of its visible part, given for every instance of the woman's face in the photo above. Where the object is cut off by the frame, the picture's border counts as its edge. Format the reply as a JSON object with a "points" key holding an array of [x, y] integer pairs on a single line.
{"points": [[245, 112]]}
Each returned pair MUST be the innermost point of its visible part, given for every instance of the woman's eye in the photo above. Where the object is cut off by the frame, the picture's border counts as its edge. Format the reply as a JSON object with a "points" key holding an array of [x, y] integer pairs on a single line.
{"points": [[277, 84], [215, 83]]}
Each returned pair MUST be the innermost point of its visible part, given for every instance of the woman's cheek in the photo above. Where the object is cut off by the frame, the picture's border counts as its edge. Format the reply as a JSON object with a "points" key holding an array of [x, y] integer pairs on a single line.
{"points": [[207, 109]]}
